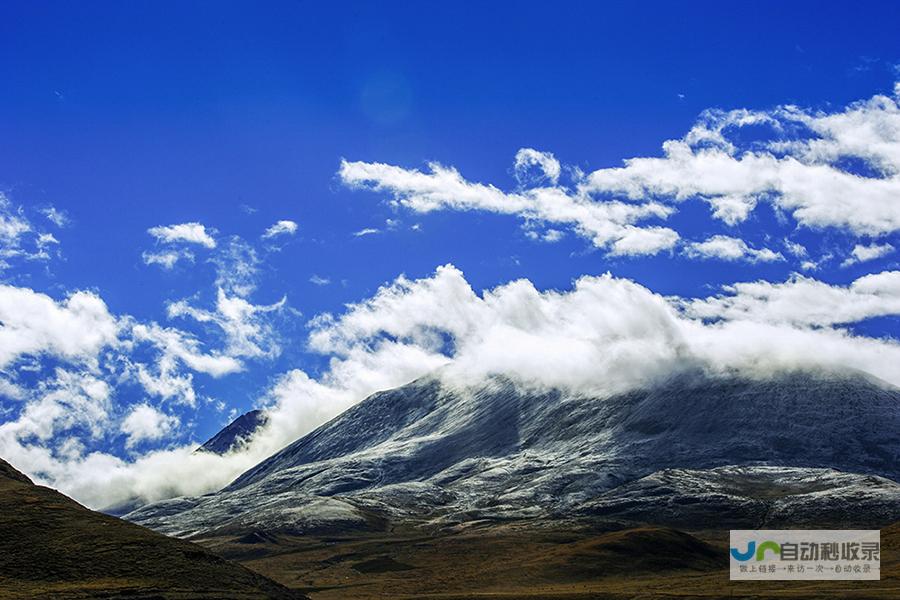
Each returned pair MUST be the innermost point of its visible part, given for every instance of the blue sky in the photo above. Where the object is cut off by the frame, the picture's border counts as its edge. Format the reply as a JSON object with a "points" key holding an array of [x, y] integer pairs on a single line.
{"points": [[130, 116]]}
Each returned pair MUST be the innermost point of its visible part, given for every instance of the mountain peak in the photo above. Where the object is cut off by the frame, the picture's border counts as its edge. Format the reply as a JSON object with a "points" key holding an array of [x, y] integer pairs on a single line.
{"points": [[234, 435]]}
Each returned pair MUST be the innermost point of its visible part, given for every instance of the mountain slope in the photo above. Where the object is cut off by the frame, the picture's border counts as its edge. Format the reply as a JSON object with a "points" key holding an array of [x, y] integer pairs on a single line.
{"points": [[52, 547], [426, 452], [233, 435]]}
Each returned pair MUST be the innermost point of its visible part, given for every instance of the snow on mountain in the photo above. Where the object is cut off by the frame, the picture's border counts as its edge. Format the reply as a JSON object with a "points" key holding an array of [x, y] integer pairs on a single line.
{"points": [[428, 452]]}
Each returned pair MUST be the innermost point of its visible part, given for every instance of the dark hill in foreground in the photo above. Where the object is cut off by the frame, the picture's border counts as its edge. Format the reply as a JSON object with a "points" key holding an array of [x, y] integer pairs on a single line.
{"points": [[52, 547]]}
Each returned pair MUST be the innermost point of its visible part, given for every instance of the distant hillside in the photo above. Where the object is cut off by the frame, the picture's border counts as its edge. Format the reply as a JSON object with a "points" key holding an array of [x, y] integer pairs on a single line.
{"points": [[52, 547]]}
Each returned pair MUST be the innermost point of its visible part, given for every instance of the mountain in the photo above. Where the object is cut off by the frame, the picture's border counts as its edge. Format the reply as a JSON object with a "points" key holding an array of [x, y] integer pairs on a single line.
{"points": [[52, 547], [435, 455], [235, 433]]}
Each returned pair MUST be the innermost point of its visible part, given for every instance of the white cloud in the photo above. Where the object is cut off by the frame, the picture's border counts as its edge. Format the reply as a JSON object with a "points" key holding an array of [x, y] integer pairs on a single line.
{"points": [[527, 158], [795, 249], [861, 253], [802, 301], [800, 174], [318, 280], [19, 238], [246, 333], [732, 249], [67, 400], [9, 389], [167, 258], [809, 265], [46, 239], [638, 241], [56, 216], [237, 267], [443, 188], [73, 329], [146, 423], [366, 231], [605, 334], [550, 236], [191, 233], [175, 344], [13, 224], [839, 170], [602, 336], [283, 227]]}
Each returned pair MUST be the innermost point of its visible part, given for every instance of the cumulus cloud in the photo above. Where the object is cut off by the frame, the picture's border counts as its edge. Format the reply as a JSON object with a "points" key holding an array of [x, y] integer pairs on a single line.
{"points": [[864, 253], [283, 227], [731, 249], [191, 233], [32, 324], [144, 423], [58, 423], [800, 166], [83, 381], [67, 400], [604, 335], [319, 280]]}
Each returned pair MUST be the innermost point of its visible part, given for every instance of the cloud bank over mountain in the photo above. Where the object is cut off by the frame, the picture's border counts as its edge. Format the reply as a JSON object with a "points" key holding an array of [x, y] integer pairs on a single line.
{"points": [[603, 336], [97, 399]]}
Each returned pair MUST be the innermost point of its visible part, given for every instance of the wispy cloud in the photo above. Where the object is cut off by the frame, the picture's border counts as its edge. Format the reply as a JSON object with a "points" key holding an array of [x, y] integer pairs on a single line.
{"points": [[366, 231], [20, 239], [607, 224], [56, 216], [167, 259]]}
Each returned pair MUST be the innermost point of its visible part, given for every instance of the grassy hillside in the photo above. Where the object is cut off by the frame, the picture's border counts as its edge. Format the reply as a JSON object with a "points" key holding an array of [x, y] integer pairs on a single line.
{"points": [[52, 547], [494, 562]]}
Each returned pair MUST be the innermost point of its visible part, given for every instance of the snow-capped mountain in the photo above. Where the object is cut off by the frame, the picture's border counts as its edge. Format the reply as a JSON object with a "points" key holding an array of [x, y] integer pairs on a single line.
{"points": [[430, 453]]}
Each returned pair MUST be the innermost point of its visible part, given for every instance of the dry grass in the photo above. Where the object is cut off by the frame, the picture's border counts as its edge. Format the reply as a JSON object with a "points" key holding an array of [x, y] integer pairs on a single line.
{"points": [[532, 563], [52, 547]]}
